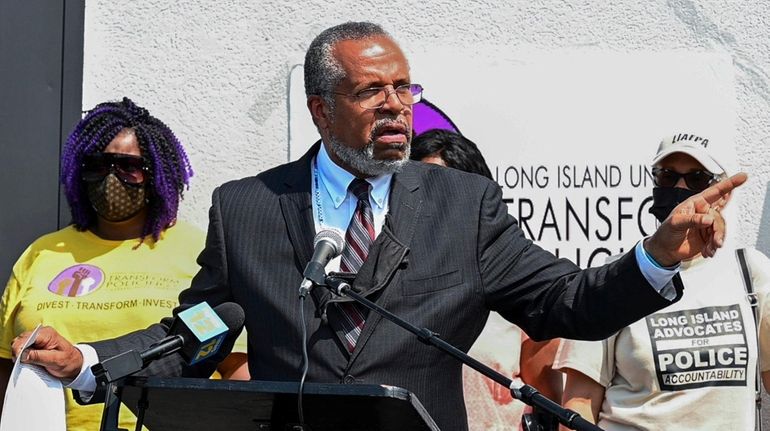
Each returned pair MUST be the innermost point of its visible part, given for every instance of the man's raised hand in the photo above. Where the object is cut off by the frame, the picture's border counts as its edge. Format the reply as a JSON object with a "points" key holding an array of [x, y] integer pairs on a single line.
{"points": [[694, 226]]}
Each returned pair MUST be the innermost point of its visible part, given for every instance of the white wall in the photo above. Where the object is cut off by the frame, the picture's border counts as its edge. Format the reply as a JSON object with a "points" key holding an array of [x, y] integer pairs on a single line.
{"points": [[217, 72]]}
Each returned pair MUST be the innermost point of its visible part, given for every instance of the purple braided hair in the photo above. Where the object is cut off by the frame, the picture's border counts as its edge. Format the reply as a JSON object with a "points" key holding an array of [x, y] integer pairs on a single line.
{"points": [[169, 167]]}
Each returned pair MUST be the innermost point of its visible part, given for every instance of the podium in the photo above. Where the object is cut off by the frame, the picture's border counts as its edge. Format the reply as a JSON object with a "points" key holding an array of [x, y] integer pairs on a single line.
{"points": [[171, 404]]}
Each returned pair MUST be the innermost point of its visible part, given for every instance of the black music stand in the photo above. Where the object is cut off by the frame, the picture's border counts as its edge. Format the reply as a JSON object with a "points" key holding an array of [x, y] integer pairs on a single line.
{"points": [[170, 404]]}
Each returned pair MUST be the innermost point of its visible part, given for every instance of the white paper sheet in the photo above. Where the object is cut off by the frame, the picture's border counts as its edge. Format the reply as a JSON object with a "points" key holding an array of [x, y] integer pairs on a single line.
{"points": [[34, 399]]}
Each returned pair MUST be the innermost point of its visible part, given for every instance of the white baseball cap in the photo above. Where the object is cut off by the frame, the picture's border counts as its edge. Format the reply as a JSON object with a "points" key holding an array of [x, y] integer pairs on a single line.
{"points": [[704, 150]]}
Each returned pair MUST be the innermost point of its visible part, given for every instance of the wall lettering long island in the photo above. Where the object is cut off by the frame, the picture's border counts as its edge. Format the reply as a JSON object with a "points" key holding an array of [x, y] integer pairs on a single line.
{"points": [[582, 212]]}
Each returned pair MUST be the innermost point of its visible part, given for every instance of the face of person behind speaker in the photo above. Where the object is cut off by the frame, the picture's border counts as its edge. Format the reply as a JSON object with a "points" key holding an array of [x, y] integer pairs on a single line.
{"points": [[681, 163]]}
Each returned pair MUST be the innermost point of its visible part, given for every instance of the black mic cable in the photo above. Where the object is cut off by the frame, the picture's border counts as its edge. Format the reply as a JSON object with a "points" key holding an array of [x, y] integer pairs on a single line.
{"points": [[327, 245], [305, 363]]}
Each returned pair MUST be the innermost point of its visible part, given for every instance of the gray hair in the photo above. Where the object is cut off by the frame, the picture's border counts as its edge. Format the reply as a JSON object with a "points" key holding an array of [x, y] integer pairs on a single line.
{"points": [[322, 71]]}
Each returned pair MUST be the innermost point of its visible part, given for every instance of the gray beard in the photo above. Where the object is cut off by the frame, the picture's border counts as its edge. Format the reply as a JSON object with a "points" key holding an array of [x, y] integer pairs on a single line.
{"points": [[362, 160]]}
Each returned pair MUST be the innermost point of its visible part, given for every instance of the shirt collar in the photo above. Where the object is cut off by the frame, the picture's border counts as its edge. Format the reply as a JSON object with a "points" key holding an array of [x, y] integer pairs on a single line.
{"points": [[336, 180]]}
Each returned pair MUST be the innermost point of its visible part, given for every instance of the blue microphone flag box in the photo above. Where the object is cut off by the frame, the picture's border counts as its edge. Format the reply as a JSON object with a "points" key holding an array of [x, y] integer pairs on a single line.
{"points": [[207, 328]]}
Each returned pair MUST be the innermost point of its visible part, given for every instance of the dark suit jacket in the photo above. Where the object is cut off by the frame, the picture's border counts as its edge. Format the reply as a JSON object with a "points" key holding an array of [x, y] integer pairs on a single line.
{"points": [[448, 253]]}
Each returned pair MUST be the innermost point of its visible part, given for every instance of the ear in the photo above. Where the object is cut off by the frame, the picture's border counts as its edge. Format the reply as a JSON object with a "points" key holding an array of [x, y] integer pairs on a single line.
{"points": [[319, 111]]}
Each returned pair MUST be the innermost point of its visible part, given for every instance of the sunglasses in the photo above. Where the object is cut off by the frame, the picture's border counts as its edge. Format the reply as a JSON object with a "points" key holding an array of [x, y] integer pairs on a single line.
{"points": [[696, 181], [128, 168]]}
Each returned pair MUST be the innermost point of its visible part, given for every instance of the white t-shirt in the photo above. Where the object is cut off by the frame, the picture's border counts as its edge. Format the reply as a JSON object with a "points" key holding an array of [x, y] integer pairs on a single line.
{"points": [[690, 366]]}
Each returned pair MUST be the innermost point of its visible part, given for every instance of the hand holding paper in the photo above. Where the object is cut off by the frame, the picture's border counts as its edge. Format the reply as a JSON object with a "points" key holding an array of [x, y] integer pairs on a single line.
{"points": [[32, 390], [49, 350]]}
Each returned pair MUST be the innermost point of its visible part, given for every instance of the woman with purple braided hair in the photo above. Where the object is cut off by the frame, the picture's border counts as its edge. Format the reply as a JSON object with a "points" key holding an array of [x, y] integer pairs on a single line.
{"points": [[122, 262], [148, 162]]}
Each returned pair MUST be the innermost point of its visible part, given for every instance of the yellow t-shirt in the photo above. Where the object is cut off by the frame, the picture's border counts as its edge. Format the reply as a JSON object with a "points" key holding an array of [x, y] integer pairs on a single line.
{"points": [[93, 289]]}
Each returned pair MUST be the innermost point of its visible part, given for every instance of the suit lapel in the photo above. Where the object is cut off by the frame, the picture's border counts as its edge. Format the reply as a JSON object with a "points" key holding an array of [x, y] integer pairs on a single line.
{"points": [[297, 208], [405, 204], [403, 214]]}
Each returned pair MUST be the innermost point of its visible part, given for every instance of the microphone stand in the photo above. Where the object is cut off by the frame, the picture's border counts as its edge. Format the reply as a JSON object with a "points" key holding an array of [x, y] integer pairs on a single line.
{"points": [[113, 370], [526, 393]]}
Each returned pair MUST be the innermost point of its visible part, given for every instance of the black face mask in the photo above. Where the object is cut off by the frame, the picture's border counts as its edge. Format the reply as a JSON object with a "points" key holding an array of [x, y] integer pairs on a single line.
{"points": [[665, 199]]}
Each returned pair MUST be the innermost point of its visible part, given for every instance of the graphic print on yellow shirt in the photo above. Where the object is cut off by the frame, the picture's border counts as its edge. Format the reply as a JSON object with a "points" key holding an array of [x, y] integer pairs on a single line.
{"points": [[77, 280], [93, 289]]}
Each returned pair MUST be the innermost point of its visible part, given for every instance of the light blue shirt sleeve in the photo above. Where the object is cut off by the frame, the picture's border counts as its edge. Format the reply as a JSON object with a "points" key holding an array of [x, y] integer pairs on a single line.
{"points": [[658, 276]]}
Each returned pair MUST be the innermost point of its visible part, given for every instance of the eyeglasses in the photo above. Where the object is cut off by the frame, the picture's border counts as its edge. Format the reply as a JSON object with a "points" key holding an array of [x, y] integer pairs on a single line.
{"points": [[696, 181], [375, 97], [128, 168]]}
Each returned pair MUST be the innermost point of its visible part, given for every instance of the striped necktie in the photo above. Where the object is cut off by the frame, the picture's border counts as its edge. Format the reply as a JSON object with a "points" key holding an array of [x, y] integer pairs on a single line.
{"points": [[358, 238]]}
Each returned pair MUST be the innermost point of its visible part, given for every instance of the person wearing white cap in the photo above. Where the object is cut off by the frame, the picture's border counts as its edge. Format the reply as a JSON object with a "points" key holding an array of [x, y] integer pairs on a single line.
{"points": [[693, 365]]}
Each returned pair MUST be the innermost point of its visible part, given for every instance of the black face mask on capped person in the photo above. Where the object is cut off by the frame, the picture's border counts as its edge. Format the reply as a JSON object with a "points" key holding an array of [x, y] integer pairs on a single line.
{"points": [[665, 199]]}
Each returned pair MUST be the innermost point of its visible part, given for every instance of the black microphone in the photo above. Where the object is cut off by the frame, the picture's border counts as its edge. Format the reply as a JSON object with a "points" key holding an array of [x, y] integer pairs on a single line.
{"points": [[327, 245], [196, 333]]}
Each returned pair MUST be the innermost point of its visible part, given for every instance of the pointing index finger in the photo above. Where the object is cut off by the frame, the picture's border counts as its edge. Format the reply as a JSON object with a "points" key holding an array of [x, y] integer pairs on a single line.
{"points": [[720, 190]]}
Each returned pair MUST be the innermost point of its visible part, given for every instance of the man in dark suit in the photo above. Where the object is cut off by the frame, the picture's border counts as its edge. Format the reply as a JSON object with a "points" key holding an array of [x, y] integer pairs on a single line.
{"points": [[433, 245]]}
